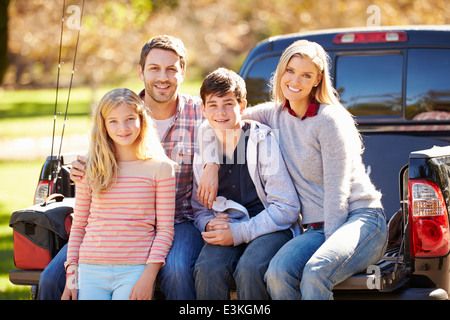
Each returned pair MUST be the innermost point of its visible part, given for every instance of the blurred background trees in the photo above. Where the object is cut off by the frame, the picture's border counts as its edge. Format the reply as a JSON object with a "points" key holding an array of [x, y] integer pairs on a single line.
{"points": [[216, 33]]}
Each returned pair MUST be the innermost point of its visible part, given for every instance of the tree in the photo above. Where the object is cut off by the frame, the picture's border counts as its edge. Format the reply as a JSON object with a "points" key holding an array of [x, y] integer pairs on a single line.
{"points": [[3, 37]]}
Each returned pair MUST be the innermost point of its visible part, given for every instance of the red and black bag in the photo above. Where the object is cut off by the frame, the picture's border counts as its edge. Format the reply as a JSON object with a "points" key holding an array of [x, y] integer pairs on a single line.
{"points": [[41, 231]]}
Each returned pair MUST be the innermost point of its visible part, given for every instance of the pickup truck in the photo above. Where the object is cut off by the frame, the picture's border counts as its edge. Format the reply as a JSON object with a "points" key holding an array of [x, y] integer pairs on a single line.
{"points": [[394, 80]]}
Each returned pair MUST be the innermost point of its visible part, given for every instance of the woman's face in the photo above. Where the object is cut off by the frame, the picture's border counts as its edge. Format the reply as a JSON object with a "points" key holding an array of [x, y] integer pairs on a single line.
{"points": [[298, 80]]}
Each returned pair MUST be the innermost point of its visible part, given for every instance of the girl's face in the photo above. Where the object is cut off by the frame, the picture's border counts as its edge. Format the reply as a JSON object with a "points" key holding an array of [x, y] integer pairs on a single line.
{"points": [[123, 126], [298, 80]]}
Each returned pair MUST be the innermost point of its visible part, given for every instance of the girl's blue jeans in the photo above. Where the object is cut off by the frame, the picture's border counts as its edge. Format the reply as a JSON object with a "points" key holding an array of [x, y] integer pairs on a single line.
{"points": [[309, 266], [107, 282]]}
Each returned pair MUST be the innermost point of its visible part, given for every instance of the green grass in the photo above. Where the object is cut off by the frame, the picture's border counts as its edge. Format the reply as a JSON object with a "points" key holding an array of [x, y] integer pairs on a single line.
{"points": [[16, 192]]}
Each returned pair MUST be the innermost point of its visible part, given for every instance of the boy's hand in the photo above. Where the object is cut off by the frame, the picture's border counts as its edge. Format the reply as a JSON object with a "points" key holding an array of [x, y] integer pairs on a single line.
{"points": [[209, 184], [219, 237], [78, 169], [219, 222]]}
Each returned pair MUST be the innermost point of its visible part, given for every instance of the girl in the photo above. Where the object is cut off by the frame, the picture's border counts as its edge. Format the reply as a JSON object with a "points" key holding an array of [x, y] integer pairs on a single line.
{"points": [[342, 211], [124, 207]]}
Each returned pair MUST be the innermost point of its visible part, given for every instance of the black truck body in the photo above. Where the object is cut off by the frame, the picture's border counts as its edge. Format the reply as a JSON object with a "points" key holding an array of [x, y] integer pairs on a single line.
{"points": [[395, 82]]}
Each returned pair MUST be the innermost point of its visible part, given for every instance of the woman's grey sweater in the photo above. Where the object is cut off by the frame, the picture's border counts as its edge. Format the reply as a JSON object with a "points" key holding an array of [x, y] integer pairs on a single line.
{"points": [[323, 157]]}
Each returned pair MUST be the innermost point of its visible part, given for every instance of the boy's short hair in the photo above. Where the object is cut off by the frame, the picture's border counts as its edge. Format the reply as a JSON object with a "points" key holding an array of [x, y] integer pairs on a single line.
{"points": [[221, 82], [164, 42]]}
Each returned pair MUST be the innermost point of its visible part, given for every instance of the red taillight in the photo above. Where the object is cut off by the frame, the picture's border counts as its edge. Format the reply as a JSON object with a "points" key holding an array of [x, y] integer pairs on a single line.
{"points": [[370, 37], [429, 227], [43, 190]]}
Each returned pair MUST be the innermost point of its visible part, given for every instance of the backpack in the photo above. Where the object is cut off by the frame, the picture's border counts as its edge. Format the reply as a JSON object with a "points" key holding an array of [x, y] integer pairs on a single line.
{"points": [[40, 231]]}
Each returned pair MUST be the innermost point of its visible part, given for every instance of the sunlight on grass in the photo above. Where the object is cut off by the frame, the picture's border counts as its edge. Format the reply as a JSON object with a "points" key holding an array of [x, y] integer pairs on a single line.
{"points": [[16, 192]]}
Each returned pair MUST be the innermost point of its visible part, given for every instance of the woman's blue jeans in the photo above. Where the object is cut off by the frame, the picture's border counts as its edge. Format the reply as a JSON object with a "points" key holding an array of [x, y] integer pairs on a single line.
{"points": [[219, 267], [308, 266]]}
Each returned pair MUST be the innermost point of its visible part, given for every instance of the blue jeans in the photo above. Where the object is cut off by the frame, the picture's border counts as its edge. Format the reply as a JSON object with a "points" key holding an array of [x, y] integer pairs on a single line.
{"points": [[176, 276], [308, 267], [107, 282], [218, 267]]}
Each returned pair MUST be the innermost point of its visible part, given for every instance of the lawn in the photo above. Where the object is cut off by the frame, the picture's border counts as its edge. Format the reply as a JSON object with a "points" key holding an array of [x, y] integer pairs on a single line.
{"points": [[29, 113], [14, 194]]}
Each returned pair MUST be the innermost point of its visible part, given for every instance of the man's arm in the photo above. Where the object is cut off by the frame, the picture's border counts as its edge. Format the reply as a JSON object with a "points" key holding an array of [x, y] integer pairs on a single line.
{"points": [[78, 169]]}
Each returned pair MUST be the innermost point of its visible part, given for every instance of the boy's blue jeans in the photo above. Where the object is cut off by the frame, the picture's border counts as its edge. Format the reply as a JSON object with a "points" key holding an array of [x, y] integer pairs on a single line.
{"points": [[219, 267], [308, 267], [177, 279]]}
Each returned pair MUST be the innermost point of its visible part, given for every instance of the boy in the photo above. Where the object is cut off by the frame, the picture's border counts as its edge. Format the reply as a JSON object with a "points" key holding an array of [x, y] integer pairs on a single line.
{"points": [[254, 186]]}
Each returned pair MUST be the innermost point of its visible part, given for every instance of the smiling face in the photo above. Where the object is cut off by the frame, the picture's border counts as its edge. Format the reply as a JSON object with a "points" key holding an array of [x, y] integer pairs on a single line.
{"points": [[224, 112], [298, 80], [162, 75], [123, 126]]}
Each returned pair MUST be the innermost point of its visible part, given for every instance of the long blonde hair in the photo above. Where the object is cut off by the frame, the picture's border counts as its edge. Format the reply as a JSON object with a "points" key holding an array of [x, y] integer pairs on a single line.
{"points": [[324, 92], [102, 162]]}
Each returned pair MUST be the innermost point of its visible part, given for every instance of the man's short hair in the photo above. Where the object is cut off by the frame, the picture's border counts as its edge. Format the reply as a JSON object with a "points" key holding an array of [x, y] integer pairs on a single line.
{"points": [[164, 42]]}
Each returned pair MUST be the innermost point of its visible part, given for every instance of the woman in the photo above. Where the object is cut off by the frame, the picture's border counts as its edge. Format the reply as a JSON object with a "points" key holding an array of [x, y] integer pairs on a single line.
{"points": [[342, 212]]}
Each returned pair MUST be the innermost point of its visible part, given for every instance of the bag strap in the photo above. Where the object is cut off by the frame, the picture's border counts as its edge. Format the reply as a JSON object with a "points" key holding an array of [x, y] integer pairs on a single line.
{"points": [[57, 197]]}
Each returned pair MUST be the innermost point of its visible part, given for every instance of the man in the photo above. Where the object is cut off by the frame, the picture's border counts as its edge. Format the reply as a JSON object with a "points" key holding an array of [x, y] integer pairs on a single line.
{"points": [[162, 68]]}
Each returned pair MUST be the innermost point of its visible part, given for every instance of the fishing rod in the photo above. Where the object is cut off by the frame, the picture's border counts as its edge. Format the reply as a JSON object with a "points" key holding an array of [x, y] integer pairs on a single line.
{"points": [[55, 113]]}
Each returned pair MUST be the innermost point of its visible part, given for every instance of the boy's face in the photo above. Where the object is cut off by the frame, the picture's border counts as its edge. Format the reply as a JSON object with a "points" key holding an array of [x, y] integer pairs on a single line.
{"points": [[224, 112]]}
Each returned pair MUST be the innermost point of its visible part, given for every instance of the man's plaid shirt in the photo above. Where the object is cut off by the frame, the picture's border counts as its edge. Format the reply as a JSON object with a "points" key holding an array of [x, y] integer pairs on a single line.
{"points": [[180, 143]]}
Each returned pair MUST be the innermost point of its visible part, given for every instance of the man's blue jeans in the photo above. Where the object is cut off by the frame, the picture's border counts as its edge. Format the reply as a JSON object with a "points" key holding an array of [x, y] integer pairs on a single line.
{"points": [[219, 267], [308, 267], [177, 280]]}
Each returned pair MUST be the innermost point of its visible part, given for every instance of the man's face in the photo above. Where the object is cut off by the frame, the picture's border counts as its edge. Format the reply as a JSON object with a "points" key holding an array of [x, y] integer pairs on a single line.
{"points": [[162, 75]]}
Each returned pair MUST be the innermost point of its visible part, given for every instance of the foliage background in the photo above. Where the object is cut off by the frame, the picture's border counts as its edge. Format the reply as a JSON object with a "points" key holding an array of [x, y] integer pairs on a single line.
{"points": [[216, 33]]}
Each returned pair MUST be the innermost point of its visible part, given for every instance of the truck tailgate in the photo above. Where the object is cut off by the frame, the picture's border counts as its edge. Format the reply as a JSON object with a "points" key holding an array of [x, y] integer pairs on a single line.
{"points": [[387, 275]]}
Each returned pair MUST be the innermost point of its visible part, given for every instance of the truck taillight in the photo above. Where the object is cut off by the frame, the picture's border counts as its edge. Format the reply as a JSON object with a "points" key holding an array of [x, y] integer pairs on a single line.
{"points": [[43, 190], [428, 220]]}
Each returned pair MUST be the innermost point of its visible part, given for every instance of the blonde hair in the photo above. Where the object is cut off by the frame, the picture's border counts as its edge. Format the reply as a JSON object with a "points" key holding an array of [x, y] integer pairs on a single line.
{"points": [[101, 166], [324, 92]]}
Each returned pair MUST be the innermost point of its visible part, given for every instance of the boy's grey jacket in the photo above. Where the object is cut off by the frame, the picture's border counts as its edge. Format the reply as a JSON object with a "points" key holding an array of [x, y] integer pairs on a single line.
{"points": [[270, 177]]}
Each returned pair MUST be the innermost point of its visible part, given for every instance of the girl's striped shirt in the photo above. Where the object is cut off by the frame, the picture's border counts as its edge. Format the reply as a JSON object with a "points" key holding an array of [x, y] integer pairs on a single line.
{"points": [[131, 223]]}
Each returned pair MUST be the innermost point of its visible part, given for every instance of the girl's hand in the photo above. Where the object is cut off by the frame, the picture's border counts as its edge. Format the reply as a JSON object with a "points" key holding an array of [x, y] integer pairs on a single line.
{"points": [[143, 288], [71, 288]]}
